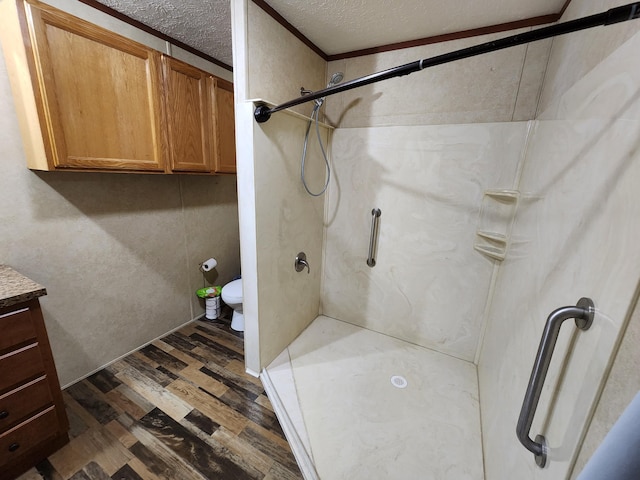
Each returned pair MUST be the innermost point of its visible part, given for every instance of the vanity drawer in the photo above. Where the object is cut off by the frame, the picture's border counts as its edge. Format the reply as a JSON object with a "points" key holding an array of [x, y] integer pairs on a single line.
{"points": [[18, 404], [20, 365], [17, 328], [19, 440]]}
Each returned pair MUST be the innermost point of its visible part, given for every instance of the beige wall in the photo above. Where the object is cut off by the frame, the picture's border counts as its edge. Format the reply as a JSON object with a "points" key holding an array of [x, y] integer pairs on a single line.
{"points": [[118, 253], [428, 181], [278, 63], [288, 221], [501, 86], [572, 60]]}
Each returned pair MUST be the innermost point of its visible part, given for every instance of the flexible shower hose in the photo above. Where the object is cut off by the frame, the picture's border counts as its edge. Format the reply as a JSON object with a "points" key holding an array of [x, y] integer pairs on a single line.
{"points": [[314, 118]]}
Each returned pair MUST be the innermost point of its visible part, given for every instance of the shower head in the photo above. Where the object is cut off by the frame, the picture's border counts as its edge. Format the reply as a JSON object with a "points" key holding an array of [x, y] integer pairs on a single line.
{"points": [[335, 79]]}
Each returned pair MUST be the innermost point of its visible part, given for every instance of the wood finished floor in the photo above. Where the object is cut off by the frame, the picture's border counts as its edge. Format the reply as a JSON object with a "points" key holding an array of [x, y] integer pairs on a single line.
{"points": [[181, 408]]}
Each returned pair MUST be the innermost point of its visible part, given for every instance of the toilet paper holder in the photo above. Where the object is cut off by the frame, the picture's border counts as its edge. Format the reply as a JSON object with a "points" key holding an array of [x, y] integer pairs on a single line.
{"points": [[208, 265]]}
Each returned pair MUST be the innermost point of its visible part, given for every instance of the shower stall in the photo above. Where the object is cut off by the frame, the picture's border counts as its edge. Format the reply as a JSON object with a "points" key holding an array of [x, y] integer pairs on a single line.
{"points": [[507, 186]]}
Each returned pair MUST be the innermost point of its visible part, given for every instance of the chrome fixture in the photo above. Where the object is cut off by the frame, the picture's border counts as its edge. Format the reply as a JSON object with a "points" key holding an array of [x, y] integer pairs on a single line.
{"points": [[583, 313], [301, 262], [335, 79], [375, 219], [315, 113]]}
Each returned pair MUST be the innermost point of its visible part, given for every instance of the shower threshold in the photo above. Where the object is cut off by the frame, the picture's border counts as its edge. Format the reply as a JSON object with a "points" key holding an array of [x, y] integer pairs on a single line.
{"points": [[356, 404]]}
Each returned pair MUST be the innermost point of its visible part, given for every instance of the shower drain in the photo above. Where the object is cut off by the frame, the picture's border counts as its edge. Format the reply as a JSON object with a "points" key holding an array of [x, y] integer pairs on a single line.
{"points": [[399, 381]]}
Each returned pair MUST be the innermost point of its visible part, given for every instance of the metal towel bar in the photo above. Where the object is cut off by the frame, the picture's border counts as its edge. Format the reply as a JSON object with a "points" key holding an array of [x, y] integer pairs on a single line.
{"points": [[375, 216], [583, 313]]}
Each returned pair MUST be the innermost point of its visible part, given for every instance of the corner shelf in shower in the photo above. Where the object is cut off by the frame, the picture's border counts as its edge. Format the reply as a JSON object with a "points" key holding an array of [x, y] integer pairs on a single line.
{"points": [[496, 237], [504, 196], [494, 222]]}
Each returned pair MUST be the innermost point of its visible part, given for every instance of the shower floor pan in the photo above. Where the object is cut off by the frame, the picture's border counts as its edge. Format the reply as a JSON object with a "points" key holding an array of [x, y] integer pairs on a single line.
{"points": [[356, 404]]}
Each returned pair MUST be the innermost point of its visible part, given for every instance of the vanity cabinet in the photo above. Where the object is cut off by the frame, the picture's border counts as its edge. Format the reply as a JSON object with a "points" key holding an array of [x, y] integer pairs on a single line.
{"points": [[91, 100], [33, 422]]}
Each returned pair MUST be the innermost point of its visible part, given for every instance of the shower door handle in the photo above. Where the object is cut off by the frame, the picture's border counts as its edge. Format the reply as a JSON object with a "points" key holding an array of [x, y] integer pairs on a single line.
{"points": [[375, 218], [583, 313]]}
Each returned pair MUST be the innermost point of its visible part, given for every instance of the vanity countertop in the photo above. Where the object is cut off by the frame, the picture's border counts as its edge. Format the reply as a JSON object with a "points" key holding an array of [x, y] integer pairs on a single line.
{"points": [[16, 288]]}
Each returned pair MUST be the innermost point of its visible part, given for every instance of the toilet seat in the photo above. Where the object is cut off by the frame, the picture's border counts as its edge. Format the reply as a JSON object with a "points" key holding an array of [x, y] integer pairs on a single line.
{"points": [[232, 292]]}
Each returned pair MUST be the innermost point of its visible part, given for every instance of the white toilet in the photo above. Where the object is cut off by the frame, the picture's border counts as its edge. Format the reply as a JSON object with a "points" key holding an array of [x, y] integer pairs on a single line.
{"points": [[232, 296]]}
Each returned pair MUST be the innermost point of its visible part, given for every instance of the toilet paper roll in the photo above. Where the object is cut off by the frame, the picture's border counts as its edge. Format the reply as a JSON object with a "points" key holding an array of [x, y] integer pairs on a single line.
{"points": [[212, 308], [209, 265]]}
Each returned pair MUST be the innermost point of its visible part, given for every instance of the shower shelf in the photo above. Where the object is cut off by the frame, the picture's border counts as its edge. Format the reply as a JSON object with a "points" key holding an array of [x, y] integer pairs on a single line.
{"points": [[497, 253], [494, 222], [505, 196], [496, 237]]}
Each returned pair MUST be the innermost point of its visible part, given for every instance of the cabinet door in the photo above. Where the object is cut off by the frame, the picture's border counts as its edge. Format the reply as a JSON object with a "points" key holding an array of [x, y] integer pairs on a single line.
{"points": [[225, 127], [99, 95], [189, 125]]}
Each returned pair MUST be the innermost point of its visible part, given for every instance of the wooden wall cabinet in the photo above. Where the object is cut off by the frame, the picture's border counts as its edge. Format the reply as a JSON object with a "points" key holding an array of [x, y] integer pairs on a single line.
{"points": [[89, 99], [200, 119], [97, 95], [33, 422]]}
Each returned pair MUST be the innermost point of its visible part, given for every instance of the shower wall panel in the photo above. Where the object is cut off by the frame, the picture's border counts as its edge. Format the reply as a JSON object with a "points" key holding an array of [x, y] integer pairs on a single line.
{"points": [[575, 234], [501, 86], [278, 63], [277, 219], [288, 221], [576, 55], [429, 285]]}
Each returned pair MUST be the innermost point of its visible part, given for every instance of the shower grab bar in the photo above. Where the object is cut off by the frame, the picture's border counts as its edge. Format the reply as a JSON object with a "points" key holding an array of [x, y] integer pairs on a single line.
{"points": [[583, 313], [375, 217], [631, 11]]}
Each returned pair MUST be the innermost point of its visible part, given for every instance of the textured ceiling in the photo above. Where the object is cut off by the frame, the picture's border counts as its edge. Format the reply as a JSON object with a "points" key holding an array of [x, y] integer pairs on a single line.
{"points": [[202, 24], [335, 26], [338, 26]]}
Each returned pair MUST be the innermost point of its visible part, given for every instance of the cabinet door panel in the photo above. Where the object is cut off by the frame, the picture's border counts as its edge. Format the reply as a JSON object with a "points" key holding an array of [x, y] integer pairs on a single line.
{"points": [[101, 95], [186, 97], [226, 133]]}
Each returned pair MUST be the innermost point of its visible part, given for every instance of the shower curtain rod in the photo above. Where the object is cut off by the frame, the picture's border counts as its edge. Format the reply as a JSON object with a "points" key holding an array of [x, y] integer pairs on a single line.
{"points": [[615, 15]]}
